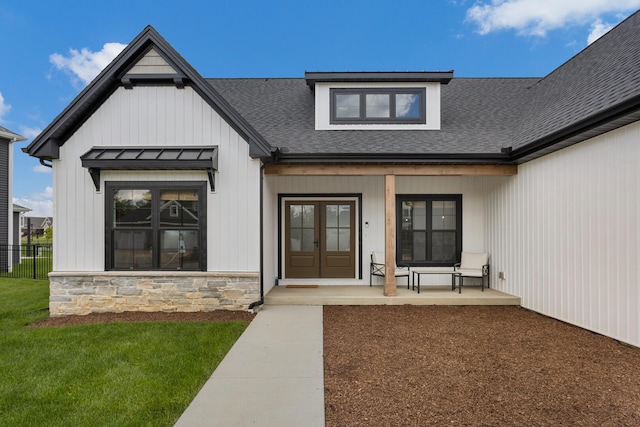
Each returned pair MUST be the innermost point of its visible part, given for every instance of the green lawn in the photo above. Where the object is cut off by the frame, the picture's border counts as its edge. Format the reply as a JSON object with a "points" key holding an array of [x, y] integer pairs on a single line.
{"points": [[116, 374]]}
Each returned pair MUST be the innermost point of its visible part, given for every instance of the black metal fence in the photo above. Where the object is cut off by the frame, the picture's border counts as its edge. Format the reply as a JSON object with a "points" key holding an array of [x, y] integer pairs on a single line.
{"points": [[33, 261]]}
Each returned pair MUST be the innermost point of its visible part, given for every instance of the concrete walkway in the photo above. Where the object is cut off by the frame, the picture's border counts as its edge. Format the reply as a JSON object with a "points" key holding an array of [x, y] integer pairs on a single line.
{"points": [[273, 375]]}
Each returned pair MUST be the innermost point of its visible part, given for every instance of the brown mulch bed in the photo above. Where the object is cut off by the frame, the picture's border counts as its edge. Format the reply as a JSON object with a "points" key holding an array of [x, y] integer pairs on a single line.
{"points": [[489, 366], [210, 316]]}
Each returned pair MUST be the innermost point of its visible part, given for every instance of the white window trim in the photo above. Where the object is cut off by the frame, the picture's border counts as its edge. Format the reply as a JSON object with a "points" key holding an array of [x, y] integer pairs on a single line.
{"points": [[323, 106]]}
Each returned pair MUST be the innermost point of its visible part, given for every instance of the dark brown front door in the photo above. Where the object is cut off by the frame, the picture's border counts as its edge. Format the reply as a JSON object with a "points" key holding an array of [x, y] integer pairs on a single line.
{"points": [[320, 239]]}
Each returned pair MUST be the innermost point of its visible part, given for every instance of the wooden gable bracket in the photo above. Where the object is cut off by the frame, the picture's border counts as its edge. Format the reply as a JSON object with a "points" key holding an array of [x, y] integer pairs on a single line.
{"points": [[95, 177], [131, 80]]}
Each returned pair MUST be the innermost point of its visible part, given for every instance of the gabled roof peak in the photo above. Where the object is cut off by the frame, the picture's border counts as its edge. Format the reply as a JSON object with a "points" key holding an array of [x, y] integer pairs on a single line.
{"points": [[117, 73]]}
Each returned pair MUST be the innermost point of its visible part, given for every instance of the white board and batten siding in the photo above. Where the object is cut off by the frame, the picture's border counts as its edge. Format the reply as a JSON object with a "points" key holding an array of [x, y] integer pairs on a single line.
{"points": [[566, 232], [372, 190], [152, 63], [157, 116]]}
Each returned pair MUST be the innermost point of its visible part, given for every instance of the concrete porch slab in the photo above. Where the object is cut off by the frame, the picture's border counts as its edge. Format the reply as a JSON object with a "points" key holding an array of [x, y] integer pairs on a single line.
{"points": [[373, 295]]}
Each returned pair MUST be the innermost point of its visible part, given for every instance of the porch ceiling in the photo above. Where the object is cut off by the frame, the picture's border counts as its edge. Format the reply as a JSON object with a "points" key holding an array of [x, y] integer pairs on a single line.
{"points": [[400, 170]]}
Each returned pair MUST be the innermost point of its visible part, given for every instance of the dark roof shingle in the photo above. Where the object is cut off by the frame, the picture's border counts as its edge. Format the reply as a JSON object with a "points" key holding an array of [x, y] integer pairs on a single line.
{"points": [[478, 116]]}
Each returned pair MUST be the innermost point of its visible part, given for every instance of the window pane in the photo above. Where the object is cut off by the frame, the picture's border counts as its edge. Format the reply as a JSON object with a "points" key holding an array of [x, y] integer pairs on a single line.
{"points": [[308, 244], [332, 215], [419, 246], [347, 106], [179, 208], [345, 216], [408, 105], [179, 250], [332, 239], [419, 215], [449, 222], [443, 215], [437, 207], [449, 207], [443, 246], [377, 105], [308, 216], [295, 240], [406, 245], [407, 215], [132, 249], [295, 215], [338, 228], [132, 208], [344, 239], [301, 228]]}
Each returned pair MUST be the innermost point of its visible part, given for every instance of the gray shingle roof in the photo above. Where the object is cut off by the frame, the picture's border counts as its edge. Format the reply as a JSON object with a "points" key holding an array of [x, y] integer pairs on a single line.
{"points": [[603, 75], [585, 96], [478, 116]]}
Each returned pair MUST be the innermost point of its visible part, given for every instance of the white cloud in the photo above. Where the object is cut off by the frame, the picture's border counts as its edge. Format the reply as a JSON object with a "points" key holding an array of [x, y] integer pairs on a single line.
{"points": [[537, 17], [41, 169], [598, 29], [85, 64], [41, 204], [29, 133], [4, 107]]}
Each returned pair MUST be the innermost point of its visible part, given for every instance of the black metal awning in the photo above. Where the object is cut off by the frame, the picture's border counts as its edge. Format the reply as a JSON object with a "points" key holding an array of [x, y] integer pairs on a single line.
{"points": [[151, 158]]}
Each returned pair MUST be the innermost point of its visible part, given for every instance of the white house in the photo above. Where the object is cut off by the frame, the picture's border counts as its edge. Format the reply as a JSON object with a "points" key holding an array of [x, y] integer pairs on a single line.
{"points": [[175, 192]]}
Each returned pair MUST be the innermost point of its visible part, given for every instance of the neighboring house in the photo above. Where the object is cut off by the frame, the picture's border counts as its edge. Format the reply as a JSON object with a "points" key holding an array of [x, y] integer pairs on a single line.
{"points": [[18, 220], [175, 192], [37, 224], [7, 138]]}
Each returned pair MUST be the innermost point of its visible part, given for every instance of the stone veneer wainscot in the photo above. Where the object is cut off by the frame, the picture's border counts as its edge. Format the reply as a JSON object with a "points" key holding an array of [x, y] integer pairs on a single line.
{"points": [[118, 291]]}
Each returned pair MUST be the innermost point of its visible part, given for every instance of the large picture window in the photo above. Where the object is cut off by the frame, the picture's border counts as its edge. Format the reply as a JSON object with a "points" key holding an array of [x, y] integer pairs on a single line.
{"points": [[429, 230], [378, 106], [156, 226]]}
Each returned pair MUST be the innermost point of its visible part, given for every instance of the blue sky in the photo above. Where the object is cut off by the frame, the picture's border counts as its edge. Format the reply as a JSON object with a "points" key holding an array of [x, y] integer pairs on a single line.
{"points": [[51, 50]]}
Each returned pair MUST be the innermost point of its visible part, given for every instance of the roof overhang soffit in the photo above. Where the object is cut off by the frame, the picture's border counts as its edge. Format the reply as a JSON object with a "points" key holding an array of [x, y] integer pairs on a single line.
{"points": [[151, 158], [442, 77], [391, 169]]}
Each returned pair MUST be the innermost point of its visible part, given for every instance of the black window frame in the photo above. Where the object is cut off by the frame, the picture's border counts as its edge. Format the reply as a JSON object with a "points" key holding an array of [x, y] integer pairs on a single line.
{"points": [[429, 198], [392, 119], [156, 187]]}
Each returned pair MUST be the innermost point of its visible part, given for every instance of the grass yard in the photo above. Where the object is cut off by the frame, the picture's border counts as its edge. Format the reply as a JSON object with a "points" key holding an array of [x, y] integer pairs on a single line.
{"points": [[142, 374]]}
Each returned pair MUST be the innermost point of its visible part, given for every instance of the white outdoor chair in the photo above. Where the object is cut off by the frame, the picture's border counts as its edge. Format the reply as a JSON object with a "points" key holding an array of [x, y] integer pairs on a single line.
{"points": [[377, 268], [473, 264]]}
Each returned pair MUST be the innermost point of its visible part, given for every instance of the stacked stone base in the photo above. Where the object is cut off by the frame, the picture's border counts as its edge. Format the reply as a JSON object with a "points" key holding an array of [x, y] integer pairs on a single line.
{"points": [[76, 293]]}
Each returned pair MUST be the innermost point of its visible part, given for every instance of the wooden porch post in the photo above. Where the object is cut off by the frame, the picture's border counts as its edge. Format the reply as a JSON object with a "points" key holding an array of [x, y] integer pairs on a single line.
{"points": [[390, 235]]}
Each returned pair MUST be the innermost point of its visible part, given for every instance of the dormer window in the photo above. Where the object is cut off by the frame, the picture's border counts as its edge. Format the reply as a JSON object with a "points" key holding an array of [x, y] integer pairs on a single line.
{"points": [[377, 100], [378, 105]]}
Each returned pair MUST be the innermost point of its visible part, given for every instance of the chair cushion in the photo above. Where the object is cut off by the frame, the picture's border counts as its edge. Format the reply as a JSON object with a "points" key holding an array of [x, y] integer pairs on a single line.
{"points": [[402, 271], [469, 272], [377, 257], [473, 260]]}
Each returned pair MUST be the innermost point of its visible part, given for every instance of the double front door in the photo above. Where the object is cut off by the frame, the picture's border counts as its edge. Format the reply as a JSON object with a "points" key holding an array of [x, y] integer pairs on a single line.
{"points": [[320, 239]]}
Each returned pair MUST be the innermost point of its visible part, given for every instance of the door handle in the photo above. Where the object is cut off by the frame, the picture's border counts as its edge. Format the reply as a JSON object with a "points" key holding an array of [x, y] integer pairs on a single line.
{"points": [[316, 242]]}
